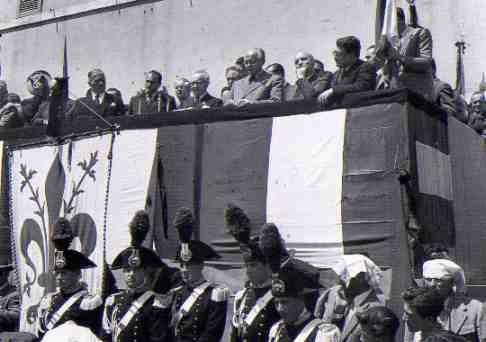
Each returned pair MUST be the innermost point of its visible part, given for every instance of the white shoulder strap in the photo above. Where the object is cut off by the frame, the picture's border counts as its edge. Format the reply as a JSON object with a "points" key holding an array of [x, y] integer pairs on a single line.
{"points": [[308, 329], [56, 316], [132, 312], [188, 303], [257, 308]]}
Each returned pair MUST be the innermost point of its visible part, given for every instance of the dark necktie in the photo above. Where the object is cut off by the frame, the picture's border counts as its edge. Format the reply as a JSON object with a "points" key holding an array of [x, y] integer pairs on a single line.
{"points": [[98, 102]]}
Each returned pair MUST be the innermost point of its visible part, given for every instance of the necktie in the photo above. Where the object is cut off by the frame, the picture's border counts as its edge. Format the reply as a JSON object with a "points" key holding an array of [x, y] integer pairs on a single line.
{"points": [[98, 102]]}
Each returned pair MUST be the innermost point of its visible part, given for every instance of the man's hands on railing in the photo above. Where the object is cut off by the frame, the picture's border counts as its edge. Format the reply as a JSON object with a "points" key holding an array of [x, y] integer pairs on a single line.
{"points": [[325, 97]]}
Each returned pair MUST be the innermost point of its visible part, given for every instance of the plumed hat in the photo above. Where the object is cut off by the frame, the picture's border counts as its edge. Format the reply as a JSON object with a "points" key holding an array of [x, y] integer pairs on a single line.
{"points": [[294, 280], [190, 250], [239, 226], [136, 255], [65, 258]]}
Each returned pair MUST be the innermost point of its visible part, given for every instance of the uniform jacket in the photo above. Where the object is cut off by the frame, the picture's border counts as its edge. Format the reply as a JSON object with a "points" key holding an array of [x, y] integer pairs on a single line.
{"points": [[361, 76], [312, 87], [322, 332], [333, 308], [262, 88], [86, 311], [9, 308], [110, 106], [150, 323], [245, 301], [208, 100], [157, 103], [205, 321]]}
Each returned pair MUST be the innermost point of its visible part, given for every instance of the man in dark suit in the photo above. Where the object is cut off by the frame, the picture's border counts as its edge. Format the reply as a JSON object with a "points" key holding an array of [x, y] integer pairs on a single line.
{"points": [[310, 83], [259, 86], [150, 100], [199, 88], [278, 70], [353, 75], [97, 100]]}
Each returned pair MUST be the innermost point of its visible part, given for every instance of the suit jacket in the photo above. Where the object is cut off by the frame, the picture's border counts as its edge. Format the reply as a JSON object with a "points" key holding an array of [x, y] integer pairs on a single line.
{"points": [[110, 106], [312, 87], [361, 76], [262, 88], [157, 103], [333, 308], [208, 100]]}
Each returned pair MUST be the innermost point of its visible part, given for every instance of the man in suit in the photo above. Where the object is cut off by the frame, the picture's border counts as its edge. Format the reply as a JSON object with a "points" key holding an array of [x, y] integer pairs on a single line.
{"points": [[97, 100], [232, 74], [150, 100], [412, 53], [310, 83], [259, 86], [378, 323], [277, 70], [353, 75], [357, 291], [477, 115], [461, 315], [199, 88], [3, 93]]}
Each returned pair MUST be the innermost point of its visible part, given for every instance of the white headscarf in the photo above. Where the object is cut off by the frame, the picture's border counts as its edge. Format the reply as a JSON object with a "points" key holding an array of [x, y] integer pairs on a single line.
{"points": [[351, 265], [445, 269]]}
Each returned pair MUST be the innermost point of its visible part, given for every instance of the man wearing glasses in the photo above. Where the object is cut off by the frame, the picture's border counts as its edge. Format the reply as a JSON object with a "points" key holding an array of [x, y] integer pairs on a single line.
{"points": [[199, 89]]}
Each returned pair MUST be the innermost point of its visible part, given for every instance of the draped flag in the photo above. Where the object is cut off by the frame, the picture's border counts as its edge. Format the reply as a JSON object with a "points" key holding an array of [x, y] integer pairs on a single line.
{"points": [[75, 180]]}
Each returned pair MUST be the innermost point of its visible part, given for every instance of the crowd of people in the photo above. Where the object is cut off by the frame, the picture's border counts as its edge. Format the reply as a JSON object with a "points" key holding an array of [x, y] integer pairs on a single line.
{"points": [[405, 62], [282, 300]]}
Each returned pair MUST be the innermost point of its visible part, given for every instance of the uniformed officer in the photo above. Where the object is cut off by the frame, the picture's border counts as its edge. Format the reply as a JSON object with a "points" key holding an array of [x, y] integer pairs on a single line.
{"points": [[9, 300], [254, 310], [137, 313], [71, 302], [199, 306], [297, 323]]}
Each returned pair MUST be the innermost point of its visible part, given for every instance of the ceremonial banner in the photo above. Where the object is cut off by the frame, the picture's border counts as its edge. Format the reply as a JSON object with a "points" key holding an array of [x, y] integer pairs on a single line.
{"points": [[73, 181]]}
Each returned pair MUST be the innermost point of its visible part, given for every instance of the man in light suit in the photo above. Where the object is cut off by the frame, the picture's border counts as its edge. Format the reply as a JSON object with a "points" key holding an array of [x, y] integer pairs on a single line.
{"points": [[259, 86]]}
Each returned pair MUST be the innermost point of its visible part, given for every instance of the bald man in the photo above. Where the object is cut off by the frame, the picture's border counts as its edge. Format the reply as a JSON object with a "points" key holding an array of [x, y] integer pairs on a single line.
{"points": [[199, 90], [259, 86], [310, 83]]}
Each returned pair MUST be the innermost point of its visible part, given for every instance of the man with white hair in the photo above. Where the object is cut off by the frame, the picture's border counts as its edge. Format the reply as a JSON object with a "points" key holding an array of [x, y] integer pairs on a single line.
{"points": [[310, 83], [461, 315], [199, 88], [259, 86], [357, 291]]}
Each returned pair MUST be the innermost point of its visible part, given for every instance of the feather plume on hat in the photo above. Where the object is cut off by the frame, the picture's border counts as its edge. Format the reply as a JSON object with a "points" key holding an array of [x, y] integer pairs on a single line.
{"points": [[271, 245], [237, 223], [184, 224], [62, 234], [139, 228]]}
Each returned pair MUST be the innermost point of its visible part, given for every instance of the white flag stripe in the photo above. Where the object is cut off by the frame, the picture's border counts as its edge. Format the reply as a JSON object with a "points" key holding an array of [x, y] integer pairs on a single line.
{"points": [[304, 190], [133, 157], [434, 171]]}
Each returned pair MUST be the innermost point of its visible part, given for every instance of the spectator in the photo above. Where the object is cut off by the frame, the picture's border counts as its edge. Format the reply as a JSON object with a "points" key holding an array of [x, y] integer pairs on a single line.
{"points": [[443, 95], [183, 96], [462, 315], [310, 83], [118, 95], [240, 62], [378, 324], [422, 307], [97, 100], [11, 115], [233, 73], [358, 289], [278, 70], [319, 66], [259, 86], [353, 75], [9, 300], [36, 108], [477, 117], [437, 251], [384, 79], [199, 88], [3, 93], [151, 100]]}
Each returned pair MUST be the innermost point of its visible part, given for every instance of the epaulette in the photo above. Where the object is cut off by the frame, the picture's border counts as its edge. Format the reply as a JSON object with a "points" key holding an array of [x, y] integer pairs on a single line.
{"points": [[162, 301], [90, 302], [219, 293]]}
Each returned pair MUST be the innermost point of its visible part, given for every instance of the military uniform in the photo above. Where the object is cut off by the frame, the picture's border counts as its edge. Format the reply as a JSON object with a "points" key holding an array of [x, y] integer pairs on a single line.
{"points": [[199, 306], [309, 330], [253, 315], [135, 317], [151, 104], [58, 308]]}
